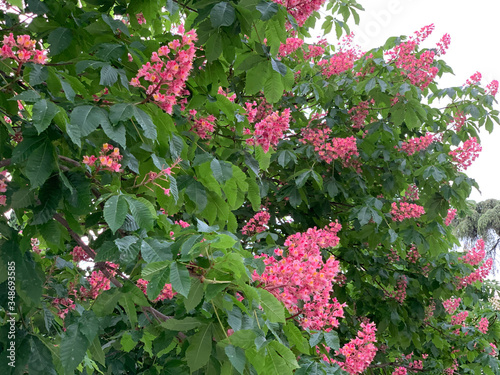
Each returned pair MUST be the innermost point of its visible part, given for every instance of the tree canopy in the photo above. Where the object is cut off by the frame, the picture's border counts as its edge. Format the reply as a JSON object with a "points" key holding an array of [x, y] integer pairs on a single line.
{"points": [[190, 187]]}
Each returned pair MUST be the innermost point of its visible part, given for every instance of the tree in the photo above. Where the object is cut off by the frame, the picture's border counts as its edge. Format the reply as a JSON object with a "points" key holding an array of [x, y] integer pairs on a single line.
{"points": [[192, 188], [482, 220]]}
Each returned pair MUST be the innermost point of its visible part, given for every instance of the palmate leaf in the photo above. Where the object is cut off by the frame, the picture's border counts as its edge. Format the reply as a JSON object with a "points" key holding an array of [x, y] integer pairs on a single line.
{"points": [[43, 113], [179, 278], [222, 14], [40, 164], [87, 118], [142, 211], [59, 40], [73, 346], [145, 122], [272, 307], [200, 348], [115, 210]]}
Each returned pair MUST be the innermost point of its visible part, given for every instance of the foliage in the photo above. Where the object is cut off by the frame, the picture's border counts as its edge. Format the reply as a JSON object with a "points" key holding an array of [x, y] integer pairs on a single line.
{"points": [[190, 188], [481, 220]]}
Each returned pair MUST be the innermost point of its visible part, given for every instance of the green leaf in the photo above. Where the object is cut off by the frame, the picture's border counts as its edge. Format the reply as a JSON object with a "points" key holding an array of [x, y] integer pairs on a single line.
{"points": [[267, 10], [195, 295], [73, 346], [332, 339], [142, 211], [179, 278], [50, 195], [59, 39], [182, 325], [145, 122], [153, 250], [116, 133], [23, 198], [39, 165], [38, 74], [120, 112], [198, 195], [279, 67], [109, 75], [273, 88], [27, 96], [115, 210], [43, 113], [40, 358], [106, 302], [236, 357], [110, 51], [222, 14], [87, 118], [200, 348], [96, 351], [158, 280], [370, 85], [129, 249], [272, 307], [294, 336]]}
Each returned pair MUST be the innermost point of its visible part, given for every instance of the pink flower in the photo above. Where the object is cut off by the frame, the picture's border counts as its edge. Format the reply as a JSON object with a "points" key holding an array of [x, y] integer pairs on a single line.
{"points": [[256, 224], [406, 210], [483, 325]]}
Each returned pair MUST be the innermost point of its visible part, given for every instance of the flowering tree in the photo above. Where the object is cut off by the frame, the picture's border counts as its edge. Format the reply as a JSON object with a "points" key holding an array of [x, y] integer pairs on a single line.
{"points": [[193, 188]]}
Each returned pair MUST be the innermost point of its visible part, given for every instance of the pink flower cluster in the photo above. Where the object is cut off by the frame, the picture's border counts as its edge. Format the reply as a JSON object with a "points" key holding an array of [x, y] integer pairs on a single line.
{"points": [[359, 113], [299, 9], [417, 144], [475, 255], [459, 319], [417, 67], [182, 223], [166, 292], [458, 121], [452, 212], [203, 126], [343, 60], [98, 282], [79, 255], [474, 79], [483, 325], [166, 77], [413, 255], [291, 45], [107, 161], [313, 51], [359, 352], [302, 278], [270, 130], [330, 149], [451, 305], [411, 193], [3, 188], [140, 18], [466, 154], [478, 275], [256, 224], [399, 294], [163, 175], [22, 49], [67, 303], [400, 371], [492, 88], [257, 112], [406, 210]]}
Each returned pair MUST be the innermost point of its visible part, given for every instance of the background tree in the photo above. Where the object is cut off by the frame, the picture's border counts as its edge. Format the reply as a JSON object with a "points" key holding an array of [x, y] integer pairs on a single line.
{"points": [[482, 220], [189, 187]]}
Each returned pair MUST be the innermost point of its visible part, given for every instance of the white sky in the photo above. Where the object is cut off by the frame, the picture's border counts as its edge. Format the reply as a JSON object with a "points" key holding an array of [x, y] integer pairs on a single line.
{"points": [[474, 28]]}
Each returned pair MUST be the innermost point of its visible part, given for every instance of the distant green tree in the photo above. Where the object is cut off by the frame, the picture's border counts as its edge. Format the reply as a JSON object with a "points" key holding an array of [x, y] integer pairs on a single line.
{"points": [[482, 221]]}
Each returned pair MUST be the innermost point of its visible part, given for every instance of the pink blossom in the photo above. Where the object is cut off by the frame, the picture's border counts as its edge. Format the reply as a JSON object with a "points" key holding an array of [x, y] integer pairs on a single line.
{"points": [[256, 224], [451, 305], [475, 255], [417, 144], [450, 216], [483, 325], [406, 210], [359, 352], [464, 156], [166, 292]]}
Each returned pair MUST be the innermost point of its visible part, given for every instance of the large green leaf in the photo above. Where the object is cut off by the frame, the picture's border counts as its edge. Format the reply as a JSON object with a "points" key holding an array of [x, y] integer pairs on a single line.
{"points": [[142, 211], [153, 250], [273, 88], [40, 164], [182, 325], [40, 359], [115, 210], [43, 113], [197, 194], [50, 195], [73, 347], [222, 14], [87, 118], [272, 307], [109, 75], [116, 133], [145, 122], [200, 348], [59, 40], [120, 112], [180, 279]]}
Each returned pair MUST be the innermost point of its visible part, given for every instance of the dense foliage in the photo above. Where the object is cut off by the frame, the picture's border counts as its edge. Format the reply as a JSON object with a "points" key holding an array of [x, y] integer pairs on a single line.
{"points": [[190, 187]]}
